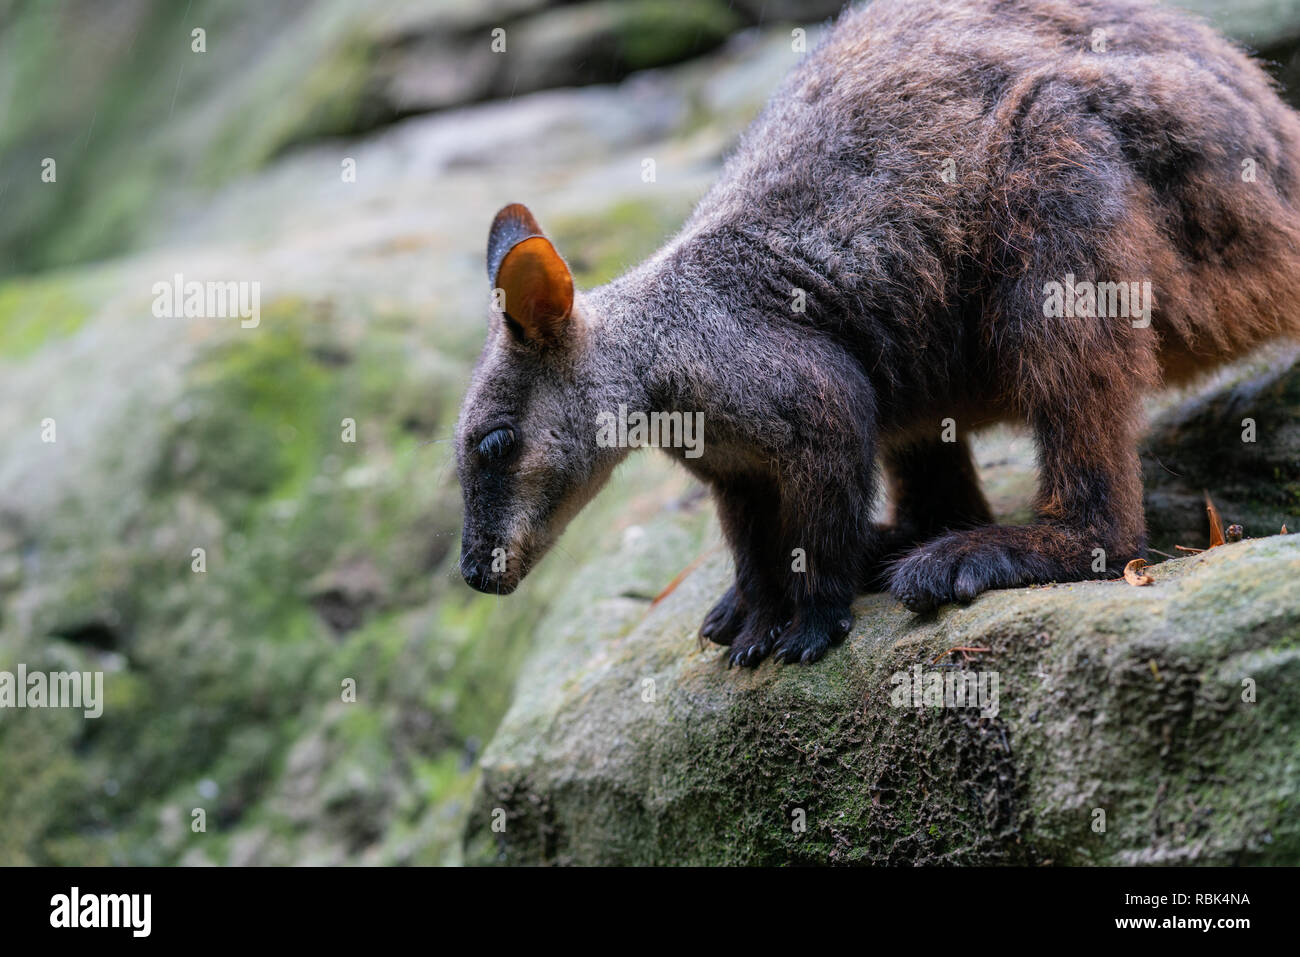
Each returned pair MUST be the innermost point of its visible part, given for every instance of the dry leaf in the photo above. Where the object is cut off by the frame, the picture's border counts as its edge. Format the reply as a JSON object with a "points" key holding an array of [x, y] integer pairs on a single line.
{"points": [[1134, 575], [1216, 523], [1216, 529]]}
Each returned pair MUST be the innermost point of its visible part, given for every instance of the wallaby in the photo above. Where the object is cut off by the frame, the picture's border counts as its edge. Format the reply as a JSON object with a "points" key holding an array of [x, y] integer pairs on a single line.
{"points": [[965, 210]]}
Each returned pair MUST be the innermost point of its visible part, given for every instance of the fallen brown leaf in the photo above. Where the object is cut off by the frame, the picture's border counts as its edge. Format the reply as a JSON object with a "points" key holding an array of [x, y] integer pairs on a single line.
{"points": [[1134, 575], [1216, 523], [1216, 529]]}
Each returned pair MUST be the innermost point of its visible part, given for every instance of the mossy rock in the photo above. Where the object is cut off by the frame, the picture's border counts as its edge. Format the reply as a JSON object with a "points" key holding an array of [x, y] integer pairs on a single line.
{"points": [[1122, 734], [324, 560]]}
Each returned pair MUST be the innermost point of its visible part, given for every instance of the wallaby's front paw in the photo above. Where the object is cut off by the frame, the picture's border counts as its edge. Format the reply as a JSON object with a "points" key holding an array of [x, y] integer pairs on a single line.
{"points": [[725, 619], [752, 644], [811, 634], [961, 565]]}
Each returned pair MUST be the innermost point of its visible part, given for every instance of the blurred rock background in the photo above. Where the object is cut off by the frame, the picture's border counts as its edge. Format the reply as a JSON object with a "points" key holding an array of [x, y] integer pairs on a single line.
{"points": [[326, 560]]}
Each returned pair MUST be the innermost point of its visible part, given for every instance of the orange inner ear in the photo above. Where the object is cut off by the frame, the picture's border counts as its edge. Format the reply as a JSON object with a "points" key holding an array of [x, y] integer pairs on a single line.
{"points": [[538, 288]]}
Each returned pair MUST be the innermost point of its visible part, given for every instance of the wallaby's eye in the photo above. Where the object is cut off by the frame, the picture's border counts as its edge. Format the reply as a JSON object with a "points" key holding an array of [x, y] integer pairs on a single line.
{"points": [[497, 444]]}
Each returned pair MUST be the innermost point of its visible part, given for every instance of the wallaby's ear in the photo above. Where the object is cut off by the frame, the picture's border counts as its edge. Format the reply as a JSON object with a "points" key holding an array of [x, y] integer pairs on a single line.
{"points": [[537, 284]]}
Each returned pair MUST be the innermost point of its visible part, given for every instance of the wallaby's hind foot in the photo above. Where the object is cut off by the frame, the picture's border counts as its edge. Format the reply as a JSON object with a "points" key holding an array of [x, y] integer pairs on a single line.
{"points": [[933, 488]]}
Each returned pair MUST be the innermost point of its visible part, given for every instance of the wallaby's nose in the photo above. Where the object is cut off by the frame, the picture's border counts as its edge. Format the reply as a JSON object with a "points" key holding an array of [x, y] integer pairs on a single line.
{"points": [[475, 577]]}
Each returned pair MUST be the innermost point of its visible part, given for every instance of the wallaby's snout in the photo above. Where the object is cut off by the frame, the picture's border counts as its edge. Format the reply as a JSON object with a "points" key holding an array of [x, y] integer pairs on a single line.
{"points": [[500, 530], [480, 576]]}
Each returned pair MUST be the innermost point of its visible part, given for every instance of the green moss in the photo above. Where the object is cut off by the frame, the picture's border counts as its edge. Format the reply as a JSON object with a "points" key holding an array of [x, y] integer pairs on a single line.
{"points": [[34, 311], [128, 139], [655, 32], [327, 98]]}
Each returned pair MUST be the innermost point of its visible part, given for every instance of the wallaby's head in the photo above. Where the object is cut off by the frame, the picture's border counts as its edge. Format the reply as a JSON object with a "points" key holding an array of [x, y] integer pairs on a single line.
{"points": [[526, 441]]}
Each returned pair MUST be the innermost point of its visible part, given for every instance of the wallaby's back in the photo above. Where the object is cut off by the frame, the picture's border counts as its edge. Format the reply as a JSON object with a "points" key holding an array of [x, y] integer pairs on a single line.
{"points": [[1112, 140]]}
